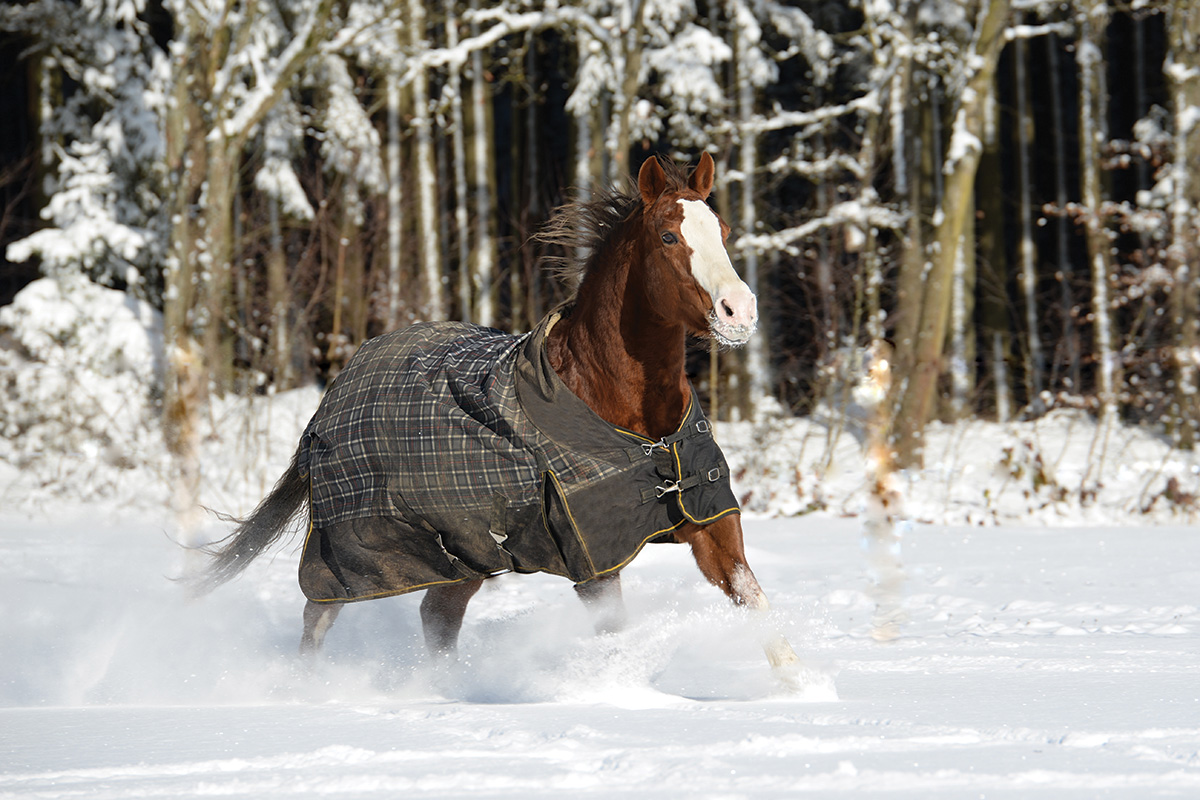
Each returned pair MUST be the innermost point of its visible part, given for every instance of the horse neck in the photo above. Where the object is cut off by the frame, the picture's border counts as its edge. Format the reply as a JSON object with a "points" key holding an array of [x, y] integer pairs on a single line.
{"points": [[620, 356]]}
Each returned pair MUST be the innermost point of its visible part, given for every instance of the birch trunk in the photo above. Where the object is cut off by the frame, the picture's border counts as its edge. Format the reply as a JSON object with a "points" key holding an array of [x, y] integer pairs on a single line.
{"points": [[466, 297], [962, 310], [1092, 135], [431, 255], [758, 366], [483, 267], [1035, 360], [395, 202], [1183, 75]]}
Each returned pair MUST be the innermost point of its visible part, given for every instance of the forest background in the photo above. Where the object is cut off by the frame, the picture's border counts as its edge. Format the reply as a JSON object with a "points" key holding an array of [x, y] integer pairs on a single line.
{"points": [[1006, 193]]}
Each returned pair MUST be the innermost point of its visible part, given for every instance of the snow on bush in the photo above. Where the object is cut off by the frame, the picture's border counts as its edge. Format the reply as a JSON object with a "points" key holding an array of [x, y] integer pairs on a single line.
{"points": [[1061, 469], [80, 374]]}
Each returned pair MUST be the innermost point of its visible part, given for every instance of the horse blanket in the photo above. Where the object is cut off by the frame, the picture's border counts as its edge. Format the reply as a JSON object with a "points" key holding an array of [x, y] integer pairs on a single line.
{"points": [[447, 452]]}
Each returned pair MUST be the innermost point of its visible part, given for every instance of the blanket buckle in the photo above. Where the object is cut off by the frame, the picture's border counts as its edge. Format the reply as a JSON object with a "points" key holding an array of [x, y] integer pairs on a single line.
{"points": [[649, 447], [667, 487]]}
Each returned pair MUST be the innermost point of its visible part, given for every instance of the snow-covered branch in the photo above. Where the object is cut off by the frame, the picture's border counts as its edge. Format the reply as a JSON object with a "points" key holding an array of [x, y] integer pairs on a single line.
{"points": [[852, 212], [276, 78], [781, 119], [1064, 29]]}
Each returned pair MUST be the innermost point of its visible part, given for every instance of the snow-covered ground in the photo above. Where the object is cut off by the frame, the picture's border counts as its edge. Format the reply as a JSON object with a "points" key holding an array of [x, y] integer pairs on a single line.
{"points": [[1034, 662]]}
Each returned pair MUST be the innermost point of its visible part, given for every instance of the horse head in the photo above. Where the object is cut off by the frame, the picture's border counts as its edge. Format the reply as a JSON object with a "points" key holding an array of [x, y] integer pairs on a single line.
{"points": [[688, 271]]}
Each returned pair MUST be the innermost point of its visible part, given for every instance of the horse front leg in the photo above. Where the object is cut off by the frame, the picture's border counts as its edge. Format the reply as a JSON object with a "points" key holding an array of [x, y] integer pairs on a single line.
{"points": [[602, 597], [721, 556], [442, 613]]}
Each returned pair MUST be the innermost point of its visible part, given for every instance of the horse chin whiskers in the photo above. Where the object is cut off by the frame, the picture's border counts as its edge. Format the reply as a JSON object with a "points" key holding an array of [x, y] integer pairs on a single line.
{"points": [[729, 336]]}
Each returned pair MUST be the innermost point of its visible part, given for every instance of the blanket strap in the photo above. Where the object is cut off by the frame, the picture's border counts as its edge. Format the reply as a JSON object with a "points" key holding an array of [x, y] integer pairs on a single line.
{"points": [[700, 427], [668, 486]]}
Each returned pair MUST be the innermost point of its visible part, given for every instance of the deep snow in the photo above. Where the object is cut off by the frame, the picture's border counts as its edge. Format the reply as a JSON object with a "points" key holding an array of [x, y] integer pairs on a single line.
{"points": [[1034, 663]]}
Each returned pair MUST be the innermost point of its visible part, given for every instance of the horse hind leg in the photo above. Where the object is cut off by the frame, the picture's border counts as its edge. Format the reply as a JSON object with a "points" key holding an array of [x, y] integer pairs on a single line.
{"points": [[442, 613], [602, 597], [318, 619]]}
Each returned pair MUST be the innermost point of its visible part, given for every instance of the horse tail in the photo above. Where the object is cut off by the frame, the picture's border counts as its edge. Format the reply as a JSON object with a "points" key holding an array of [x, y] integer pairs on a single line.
{"points": [[263, 527]]}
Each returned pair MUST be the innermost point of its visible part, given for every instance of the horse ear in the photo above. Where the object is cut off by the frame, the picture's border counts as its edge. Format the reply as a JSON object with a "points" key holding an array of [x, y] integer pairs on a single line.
{"points": [[701, 180], [651, 180]]}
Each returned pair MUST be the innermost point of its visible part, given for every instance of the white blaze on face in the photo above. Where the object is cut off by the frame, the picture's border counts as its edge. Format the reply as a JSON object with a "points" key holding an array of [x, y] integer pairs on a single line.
{"points": [[735, 309]]}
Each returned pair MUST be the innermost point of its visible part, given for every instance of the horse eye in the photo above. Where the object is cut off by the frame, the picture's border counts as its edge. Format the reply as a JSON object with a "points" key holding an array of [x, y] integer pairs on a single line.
{"points": [[669, 238]]}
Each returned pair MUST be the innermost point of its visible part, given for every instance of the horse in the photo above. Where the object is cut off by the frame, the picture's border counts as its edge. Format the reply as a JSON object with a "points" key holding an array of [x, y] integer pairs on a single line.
{"points": [[605, 390]]}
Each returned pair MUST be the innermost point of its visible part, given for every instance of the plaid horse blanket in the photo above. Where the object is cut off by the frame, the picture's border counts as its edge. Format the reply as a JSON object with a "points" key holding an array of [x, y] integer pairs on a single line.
{"points": [[447, 452]]}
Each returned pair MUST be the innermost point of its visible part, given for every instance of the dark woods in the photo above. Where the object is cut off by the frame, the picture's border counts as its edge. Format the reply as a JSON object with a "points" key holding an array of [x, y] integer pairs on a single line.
{"points": [[1006, 191]]}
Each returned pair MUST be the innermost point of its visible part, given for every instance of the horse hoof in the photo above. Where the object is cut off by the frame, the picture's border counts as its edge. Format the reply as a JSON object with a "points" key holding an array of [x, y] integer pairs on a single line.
{"points": [[779, 652], [806, 682]]}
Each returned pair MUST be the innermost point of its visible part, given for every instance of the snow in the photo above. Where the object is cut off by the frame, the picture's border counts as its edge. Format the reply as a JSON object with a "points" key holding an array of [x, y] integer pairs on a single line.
{"points": [[1033, 663]]}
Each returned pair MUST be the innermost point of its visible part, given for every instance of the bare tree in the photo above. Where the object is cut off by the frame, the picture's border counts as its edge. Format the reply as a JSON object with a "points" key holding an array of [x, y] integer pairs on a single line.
{"points": [[931, 307]]}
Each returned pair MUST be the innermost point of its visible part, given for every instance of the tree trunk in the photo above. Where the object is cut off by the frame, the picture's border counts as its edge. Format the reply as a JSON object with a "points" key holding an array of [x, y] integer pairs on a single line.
{"points": [[758, 364], [1183, 75], [182, 392], [431, 249], [1035, 360], [1092, 135], [467, 309], [395, 202], [279, 300], [484, 266], [962, 310], [955, 213], [628, 64], [914, 179], [216, 285]]}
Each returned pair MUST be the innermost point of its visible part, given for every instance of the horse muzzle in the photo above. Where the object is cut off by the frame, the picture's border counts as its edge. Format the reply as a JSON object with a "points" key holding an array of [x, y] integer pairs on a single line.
{"points": [[734, 316]]}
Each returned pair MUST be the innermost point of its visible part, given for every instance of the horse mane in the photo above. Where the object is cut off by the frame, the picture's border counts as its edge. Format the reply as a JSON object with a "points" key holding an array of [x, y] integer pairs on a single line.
{"points": [[579, 231]]}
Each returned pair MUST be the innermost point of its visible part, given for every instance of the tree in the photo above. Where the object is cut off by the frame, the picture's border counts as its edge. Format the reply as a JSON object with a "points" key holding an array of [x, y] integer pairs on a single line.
{"points": [[920, 366], [107, 191], [1092, 20], [1183, 254]]}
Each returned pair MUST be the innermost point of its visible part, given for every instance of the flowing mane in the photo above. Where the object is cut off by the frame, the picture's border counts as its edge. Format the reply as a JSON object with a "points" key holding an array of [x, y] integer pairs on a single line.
{"points": [[580, 230]]}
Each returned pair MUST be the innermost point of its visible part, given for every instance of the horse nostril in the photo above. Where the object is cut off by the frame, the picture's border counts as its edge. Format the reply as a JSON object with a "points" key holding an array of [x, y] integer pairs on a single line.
{"points": [[725, 307]]}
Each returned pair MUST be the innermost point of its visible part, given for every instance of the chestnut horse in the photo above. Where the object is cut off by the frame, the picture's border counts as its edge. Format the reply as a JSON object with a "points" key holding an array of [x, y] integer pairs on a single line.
{"points": [[658, 272]]}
